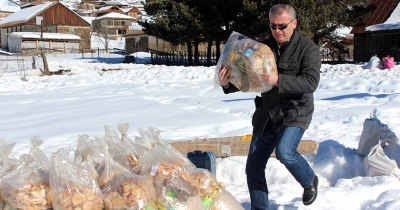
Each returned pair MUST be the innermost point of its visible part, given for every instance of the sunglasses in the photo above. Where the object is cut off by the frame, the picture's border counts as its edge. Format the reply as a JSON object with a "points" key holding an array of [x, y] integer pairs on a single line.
{"points": [[280, 26]]}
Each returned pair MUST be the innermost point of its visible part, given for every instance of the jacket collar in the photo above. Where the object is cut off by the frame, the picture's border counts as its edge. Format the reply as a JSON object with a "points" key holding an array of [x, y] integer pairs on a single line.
{"points": [[293, 39]]}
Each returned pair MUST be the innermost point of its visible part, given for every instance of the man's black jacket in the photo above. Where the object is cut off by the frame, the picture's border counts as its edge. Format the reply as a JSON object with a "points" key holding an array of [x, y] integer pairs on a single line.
{"points": [[291, 102]]}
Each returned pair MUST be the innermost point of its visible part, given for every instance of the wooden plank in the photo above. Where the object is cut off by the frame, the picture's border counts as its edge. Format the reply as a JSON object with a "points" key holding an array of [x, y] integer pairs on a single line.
{"points": [[233, 146]]}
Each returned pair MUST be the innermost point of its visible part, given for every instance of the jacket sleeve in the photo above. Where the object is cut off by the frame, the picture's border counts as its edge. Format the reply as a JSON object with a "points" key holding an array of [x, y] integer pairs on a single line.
{"points": [[302, 73], [231, 89]]}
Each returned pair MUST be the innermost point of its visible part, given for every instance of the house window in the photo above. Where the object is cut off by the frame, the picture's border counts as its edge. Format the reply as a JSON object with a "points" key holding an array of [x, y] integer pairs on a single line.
{"points": [[123, 23], [73, 31]]}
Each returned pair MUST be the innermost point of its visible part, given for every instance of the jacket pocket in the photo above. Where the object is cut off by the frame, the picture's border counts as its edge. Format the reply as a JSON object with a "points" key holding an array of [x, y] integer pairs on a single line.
{"points": [[257, 113], [288, 67], [285, 112]]}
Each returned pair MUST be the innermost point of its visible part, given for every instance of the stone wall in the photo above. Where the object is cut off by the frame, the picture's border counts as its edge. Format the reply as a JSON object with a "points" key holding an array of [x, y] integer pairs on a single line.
{"points": [[131, 47], [82, 32]]}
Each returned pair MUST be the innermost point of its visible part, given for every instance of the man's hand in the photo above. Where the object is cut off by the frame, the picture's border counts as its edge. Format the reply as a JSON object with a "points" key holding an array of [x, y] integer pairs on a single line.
{"points": [[271, 79], [224, 75]]}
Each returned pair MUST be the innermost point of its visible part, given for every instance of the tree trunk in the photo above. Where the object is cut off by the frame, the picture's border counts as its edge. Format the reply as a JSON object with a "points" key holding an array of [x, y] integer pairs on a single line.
{"points": [[209, 48], [189, 48], [316, 38], [45, 64], [217, 50], [196, 53], [33, 62]]}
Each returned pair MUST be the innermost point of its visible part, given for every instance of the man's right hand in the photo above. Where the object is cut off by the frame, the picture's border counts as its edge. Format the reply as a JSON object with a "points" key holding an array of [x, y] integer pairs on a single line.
{"points": [[224, 75]]}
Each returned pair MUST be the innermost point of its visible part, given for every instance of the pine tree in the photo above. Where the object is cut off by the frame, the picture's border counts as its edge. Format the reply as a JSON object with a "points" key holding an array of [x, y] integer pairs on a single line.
{"points": [[319, 18]]}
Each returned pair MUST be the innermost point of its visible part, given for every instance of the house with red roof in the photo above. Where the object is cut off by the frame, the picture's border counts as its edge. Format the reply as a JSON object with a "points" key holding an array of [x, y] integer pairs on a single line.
{"points": [[379, 32]]}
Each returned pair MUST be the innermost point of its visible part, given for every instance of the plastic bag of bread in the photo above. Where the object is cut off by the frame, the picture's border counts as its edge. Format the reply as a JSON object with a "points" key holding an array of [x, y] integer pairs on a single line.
{"points": [[248, 60], [72, 186], [169, 172], [111, 168], [123, 149], [26, 187], [88, 150], [213, 194], [129, 191], [7, 163]]}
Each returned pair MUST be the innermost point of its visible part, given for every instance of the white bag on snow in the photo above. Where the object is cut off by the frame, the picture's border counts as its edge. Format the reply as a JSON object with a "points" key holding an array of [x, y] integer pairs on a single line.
{"points": [[372, 127], [374, 62], [377, 163]]}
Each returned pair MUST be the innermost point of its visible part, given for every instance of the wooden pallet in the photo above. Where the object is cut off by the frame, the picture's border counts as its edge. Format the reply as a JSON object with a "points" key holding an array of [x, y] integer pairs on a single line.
{"points": [[233, 146]]}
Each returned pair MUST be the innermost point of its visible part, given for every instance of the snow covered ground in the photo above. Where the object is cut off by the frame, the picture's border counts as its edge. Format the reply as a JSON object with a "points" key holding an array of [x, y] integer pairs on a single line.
{"points": [[184, 104]]}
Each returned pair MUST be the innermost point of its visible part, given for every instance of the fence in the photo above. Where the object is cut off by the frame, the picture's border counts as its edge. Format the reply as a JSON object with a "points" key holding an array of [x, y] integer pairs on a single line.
{"points": [[181, 58]]}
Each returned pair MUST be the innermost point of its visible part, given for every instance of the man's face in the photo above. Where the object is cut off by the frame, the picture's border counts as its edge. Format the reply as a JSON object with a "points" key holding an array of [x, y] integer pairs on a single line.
{"points": [[282, 27]]}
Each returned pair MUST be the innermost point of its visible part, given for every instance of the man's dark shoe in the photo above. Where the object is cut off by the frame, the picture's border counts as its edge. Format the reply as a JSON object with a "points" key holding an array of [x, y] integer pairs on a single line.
{"points": [[310, 192]]}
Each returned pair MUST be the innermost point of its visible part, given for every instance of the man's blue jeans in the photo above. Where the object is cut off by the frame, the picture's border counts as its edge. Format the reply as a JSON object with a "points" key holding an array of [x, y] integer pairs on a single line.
{"points": [[286, 143]]}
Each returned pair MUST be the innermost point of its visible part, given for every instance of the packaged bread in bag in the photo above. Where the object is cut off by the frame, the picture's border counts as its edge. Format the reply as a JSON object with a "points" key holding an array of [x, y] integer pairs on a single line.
{"points": [[7, 163], [248, 60], [169, 171], [213, 194], [129, 191], [72, 185], [27, 185], [123, 149]]}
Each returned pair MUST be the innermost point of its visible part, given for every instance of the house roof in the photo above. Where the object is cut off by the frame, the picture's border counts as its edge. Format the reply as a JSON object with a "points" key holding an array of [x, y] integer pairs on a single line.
{"points": [[384, 27], [37, 35], [28, 13], [117, 3], [131, 9], [381, 12], [392, 23], [24, 15], [114, 15], [133, 32]]}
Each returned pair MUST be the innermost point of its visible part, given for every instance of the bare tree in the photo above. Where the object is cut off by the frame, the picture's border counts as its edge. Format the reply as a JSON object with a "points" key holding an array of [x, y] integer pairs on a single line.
{"points": [[100, 28], [46, 70]]}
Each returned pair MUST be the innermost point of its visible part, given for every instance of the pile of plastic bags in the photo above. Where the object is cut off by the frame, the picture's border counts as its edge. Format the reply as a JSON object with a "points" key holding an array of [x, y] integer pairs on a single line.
{"points": [[109, 172]]}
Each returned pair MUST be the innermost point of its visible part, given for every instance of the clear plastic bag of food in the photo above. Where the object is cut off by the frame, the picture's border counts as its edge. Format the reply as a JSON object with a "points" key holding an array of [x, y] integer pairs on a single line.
{"points": [[129, 191], [88, 151], [7, 164], [169, 171], [248, 60], [111, 168], [123, 149], [27, 186], [213, 194], [72, 185]]}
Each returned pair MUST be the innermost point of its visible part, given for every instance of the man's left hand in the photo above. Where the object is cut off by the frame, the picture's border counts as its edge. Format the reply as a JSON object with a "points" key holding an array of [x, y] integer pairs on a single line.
{"points": [[271, 79]]}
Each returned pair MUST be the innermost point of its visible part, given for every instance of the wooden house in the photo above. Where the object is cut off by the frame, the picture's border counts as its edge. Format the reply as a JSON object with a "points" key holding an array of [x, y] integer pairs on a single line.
{"points": [[114, 24], [86, 10], [49, 17], [108, 9], [133, 12], [378, 33], [138, 41]]}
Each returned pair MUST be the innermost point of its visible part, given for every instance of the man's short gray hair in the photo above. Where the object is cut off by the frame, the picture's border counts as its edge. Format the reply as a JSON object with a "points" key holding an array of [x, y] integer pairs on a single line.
{"points": [[279, 9]]}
